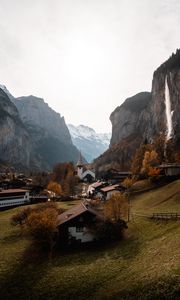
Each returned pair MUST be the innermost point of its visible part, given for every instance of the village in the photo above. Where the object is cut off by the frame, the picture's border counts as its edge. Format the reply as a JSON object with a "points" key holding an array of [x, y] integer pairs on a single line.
{"points": [[88, 196]]}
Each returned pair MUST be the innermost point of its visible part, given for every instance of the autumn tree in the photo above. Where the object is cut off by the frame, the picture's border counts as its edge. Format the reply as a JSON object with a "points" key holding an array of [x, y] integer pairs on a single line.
{"points": [[20, 217], [116, 207], [62, 170], [42, 227], [64, 175], [55, 188], [39, 223], [138, 158], [177, 157], [170, 151], [159, 146], [150, 160], [128, 182]]}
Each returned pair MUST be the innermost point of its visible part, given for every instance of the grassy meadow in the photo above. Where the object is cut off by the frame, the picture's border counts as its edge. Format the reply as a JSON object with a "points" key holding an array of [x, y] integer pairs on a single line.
{"points": [[145, 265]]}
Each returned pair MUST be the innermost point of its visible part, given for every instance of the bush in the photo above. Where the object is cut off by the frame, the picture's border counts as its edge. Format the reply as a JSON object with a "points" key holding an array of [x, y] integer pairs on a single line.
{"points": [[109, 231]]}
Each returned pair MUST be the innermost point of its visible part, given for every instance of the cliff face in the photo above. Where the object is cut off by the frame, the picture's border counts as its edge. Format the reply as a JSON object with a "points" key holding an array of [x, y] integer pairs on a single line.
{"points": [[48, 131], [32, 135], [130, 118], [35, 113], [158, 110], [15, 145], [144, 116]]}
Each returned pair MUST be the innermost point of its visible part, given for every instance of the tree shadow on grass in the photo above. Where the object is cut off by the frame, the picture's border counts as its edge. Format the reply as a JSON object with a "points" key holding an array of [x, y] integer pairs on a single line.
{"points": [[88, 253], [20, 279]]}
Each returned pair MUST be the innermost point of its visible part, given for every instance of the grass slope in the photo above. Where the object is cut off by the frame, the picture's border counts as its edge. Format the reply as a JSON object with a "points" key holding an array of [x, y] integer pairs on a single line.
{"points": [[146, 265], [164, 199]]}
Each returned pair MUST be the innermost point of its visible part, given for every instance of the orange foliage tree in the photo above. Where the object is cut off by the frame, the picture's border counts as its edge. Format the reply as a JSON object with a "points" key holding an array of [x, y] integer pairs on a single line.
{"points": [[116, 207], [150, 161], [54, 187], [42, 227]]}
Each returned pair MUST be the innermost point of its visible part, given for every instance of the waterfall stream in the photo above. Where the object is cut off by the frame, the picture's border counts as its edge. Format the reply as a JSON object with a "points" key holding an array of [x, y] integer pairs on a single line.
{"points": [[168, 111]]}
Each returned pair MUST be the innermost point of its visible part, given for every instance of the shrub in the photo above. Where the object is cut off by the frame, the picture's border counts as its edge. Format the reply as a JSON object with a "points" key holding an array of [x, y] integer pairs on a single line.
{"points": [[109, 231]]}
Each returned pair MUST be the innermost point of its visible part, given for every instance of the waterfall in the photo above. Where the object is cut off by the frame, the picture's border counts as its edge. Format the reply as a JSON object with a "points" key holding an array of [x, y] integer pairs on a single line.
{"points": [[169, 113]]}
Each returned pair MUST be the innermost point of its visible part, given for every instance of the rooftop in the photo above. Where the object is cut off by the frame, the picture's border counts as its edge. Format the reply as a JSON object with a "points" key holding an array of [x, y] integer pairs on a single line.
{"points": [[74, 212], [110, 188], [173, 165], [9, 191]]}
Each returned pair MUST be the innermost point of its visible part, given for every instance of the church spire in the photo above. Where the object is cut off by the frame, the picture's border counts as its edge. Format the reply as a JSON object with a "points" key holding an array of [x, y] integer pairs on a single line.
{"points": [[80, 160]]}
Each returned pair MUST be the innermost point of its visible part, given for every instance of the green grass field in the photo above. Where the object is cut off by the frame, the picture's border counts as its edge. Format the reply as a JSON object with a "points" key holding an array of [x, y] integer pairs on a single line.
{"points": [[145, 265]]}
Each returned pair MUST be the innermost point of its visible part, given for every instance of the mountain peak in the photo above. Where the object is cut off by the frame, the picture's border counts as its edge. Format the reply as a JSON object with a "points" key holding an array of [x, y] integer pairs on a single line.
{"points": [[91, 144]]}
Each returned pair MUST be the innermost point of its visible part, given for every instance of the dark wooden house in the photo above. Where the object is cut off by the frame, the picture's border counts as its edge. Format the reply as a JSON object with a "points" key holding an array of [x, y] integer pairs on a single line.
{"points": [[74, 225]]}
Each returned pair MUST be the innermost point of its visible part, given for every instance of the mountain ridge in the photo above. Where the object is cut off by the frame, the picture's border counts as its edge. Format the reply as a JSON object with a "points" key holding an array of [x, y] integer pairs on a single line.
{"points": [[90, 143], [48, 140]]}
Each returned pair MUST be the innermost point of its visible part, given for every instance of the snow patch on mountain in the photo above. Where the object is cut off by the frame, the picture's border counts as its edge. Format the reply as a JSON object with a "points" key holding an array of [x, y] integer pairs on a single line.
{"points": [[91, 143]]}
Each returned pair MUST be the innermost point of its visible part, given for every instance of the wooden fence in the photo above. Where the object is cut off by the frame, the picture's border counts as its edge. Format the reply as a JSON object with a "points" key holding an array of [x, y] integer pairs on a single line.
{"points": [[165, 216]]}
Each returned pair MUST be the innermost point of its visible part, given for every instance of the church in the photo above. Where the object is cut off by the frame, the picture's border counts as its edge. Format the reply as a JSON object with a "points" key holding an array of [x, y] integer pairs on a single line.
{"points": [[83, 172]]}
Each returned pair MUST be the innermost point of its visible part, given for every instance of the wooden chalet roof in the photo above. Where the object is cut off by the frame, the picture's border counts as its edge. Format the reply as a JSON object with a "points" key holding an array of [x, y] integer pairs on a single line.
{"points": [[97, 184], [12, 191], [110, 188], [165, 166], [74, 212]]}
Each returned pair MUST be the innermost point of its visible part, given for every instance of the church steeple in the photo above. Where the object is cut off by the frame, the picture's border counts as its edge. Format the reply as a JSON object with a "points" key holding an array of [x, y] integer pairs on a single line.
{"points": [[79, 166], [80, 160]]}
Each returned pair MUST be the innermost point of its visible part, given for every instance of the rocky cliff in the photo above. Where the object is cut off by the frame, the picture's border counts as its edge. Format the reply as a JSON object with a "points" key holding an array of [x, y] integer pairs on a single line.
{"points": [[48, 131], [15, 142], [144, 116], [32, 135]]}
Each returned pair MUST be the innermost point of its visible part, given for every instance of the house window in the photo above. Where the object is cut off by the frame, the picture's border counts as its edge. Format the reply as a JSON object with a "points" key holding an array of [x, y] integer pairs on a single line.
{"points": [[79, 229]]}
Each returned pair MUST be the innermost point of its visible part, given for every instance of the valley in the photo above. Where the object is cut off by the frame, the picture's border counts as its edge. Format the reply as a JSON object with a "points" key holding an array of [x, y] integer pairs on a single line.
{"points": [[145, 265]]}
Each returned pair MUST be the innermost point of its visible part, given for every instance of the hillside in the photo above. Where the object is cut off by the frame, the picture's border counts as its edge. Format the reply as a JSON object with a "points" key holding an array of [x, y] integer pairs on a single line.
{"points": [[164, 199], [146, 265]]}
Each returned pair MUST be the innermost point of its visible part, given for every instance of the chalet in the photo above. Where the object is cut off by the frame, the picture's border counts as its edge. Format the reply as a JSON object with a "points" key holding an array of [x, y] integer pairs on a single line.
{"points": [[13, 197], [170, 169], [95, 187], [83, 172], [74, 225], [114, 175], [106, 192]]}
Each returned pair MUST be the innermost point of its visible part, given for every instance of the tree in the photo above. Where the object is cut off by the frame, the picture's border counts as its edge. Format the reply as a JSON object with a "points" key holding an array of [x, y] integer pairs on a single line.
{"points": [[40, 223], [159, 146], [42, 227], [116, 207], [128, 182], [138, 158], [109, 231], [150, 160], [177, 157], [55, 188], [153, 172], [20, 217]]}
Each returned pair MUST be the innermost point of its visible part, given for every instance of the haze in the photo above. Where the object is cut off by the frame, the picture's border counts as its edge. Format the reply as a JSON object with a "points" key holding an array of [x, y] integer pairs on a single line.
{"points": [[85, 57]]}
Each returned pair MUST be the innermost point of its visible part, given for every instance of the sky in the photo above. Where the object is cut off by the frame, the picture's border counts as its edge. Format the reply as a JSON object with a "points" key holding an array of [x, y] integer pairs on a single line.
{"points": [[85, 57]]}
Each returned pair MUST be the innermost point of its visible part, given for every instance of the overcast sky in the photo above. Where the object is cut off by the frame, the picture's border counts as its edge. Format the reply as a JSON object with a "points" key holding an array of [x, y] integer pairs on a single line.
{"points": [[85, 57]]}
